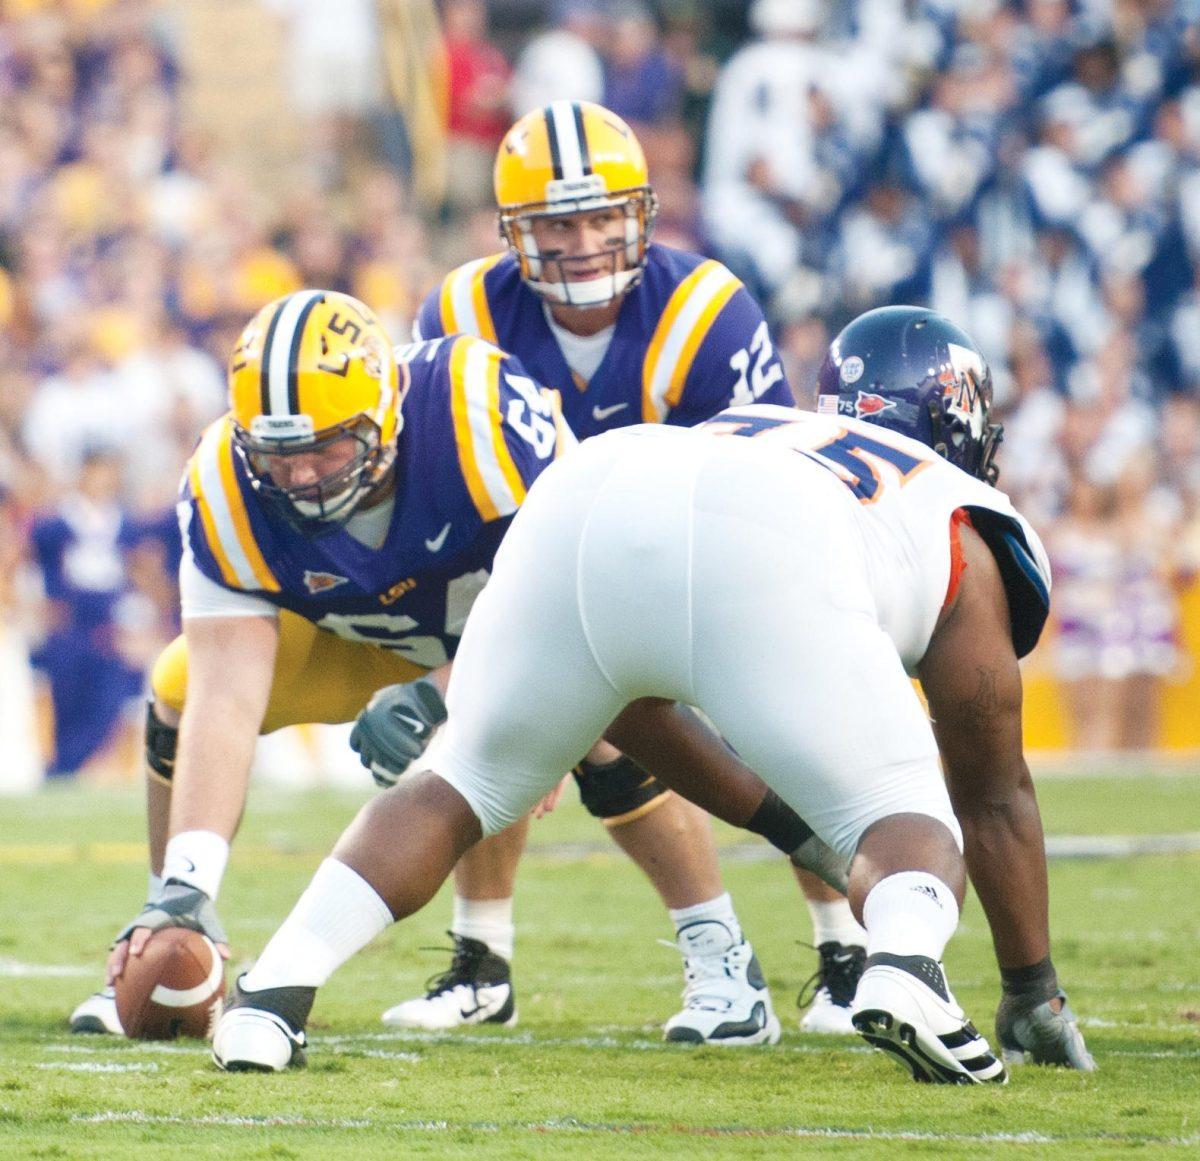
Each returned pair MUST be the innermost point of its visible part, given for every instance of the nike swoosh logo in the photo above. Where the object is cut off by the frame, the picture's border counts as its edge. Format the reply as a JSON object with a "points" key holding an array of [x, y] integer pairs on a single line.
{"points": [[415, 726], [466, 1015], [435, 545], [189, 866], [600, 414]]}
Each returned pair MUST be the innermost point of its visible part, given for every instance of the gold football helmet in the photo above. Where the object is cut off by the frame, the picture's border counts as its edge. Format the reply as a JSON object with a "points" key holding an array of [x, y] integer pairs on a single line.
{"points": [[314, 395], [574, 157]]}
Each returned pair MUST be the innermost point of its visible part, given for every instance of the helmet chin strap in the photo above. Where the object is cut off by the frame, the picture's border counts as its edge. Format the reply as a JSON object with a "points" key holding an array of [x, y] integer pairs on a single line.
{"points": [[593, 292]]}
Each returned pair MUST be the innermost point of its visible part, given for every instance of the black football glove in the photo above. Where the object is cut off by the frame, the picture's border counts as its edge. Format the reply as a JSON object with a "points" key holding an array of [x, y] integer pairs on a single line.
{"points": [[178, 906], [1030, 1029], [394, 729]]}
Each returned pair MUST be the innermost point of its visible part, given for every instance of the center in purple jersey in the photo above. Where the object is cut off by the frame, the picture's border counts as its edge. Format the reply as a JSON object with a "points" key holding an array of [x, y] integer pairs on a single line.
{"points": [[476, 434], [689, 341]]}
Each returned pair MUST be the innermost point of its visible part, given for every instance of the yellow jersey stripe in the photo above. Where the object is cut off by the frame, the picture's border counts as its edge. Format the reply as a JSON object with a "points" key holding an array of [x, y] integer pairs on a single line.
{"points": [[210, 528], [241, 520], [459, 411], [687, 319], [483, 312], [492, 476], [507, 465], [208, 486], [666, 321], [696, 335], [463, 303]]}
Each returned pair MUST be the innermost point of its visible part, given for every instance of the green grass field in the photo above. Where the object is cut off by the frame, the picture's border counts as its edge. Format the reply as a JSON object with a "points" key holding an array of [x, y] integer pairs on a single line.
{"points": [[586, 1069]]}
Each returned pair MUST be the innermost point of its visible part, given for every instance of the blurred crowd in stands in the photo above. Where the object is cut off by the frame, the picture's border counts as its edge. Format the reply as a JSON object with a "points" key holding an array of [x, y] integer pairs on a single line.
{"points": [[1029, 167]]}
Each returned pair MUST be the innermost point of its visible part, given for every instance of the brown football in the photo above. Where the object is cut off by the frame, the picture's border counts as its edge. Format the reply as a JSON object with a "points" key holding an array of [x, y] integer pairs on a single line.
{"points": [[176, 987]]}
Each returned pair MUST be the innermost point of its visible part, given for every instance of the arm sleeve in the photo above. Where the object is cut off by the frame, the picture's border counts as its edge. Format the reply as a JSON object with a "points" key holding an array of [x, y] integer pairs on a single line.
{"points": [[201, 597], [735, 364]]}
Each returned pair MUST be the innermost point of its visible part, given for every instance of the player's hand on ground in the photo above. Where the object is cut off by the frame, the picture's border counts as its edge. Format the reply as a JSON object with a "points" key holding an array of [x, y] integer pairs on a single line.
{"points": [[179, 905], [397, 725], [552, 799], [1041, 1032]]}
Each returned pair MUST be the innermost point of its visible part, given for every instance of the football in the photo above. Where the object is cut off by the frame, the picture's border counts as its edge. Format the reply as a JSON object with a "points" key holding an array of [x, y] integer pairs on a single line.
{"points": [[176, 987]]}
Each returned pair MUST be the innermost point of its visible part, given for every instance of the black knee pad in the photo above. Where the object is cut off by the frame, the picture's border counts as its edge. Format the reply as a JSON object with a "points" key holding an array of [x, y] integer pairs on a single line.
{"points": [[611, 789], [161, 740]]}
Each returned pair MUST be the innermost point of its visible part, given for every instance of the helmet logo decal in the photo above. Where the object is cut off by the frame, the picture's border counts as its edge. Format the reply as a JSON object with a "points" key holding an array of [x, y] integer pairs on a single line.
{"points": [[868, 404], [852, 369], [960, 380]]}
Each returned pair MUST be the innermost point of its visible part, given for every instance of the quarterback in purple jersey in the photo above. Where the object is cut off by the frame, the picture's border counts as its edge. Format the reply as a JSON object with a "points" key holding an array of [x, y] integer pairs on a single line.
{"points": [[627, 331], [338, 523]]}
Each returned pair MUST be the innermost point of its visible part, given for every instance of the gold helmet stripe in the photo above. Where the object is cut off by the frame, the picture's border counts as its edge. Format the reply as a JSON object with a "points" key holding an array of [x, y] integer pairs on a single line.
{"points": [[281, 350], [569, 154]]}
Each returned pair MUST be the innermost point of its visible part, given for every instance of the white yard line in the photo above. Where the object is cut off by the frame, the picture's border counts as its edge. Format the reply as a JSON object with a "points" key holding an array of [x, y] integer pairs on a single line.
{"points": [[573, 1126], [368, 1044], [15, 969], [97, 1066]]}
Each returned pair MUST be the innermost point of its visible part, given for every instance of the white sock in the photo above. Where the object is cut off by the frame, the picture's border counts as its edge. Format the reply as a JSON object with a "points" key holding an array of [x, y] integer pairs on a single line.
{"points": [[488, 920], [154, 888], [720, 909], [910, 913], [834, 922], [339, 914]]}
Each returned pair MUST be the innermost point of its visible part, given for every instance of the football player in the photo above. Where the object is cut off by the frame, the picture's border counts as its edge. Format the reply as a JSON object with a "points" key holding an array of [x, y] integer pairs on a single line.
{"points": [[338, 523], [870, 555], [628, 331]]}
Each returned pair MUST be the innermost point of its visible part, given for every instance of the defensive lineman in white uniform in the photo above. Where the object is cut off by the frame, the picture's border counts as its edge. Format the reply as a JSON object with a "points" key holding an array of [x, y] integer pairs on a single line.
{"points": [[627, 577]]}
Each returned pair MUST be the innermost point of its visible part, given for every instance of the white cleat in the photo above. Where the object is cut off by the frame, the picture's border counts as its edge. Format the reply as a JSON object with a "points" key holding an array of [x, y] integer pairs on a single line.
{"points": [[252, 1040], [725, 998], [97, 1015], [477, 989], [904, 1007], [827, 1017], [263, 1031], [836, 979]]}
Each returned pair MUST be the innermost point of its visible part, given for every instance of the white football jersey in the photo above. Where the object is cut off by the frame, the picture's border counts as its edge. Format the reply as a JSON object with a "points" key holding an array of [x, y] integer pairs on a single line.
{"points": [[906, 494]]}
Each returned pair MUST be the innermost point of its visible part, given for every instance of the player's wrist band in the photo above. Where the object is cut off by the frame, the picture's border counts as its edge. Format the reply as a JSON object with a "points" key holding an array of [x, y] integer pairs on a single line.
{"points": [[197, 858], [1037, 978]]}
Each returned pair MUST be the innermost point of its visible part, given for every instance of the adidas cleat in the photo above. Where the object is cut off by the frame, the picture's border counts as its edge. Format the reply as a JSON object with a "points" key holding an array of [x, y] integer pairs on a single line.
{"points": [[476, 989], [263, 1031], [97, 1015], [904, 1007], [725, 998], [836, 981]]}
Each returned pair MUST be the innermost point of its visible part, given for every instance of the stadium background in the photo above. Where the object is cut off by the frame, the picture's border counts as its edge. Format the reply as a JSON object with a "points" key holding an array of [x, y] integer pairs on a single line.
{"points": [[1030, 168]]}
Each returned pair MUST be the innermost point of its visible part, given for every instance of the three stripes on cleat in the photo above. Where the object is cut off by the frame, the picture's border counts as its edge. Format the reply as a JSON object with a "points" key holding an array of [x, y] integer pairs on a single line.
{"points": [[905, 1009]]}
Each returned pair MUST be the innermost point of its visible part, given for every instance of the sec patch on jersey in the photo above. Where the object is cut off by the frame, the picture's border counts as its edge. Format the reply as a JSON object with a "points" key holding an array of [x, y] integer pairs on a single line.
{"points": [[176, 987]]}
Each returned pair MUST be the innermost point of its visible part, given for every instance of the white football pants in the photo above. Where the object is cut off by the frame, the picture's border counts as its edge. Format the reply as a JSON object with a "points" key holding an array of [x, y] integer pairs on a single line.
{"points": [[651, 562]]}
